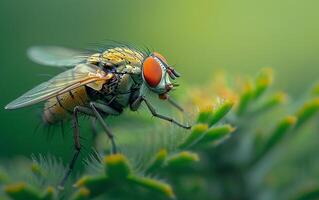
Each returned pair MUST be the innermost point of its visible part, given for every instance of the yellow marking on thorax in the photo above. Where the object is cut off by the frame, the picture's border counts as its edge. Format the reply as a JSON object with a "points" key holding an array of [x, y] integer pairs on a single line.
{"points": [[94, 59], [121, 54], [117, 55]]}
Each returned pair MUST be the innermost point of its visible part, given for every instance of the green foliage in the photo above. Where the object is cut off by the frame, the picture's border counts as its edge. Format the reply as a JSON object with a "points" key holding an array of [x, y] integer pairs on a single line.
{"points": [[277, 135], [21, 191], [118, 173], [310, 194], [230, 153], [308, 110]]}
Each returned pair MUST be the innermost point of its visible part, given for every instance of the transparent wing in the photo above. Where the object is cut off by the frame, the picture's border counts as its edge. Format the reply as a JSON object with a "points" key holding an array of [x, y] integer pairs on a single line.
{"points": [[56, 56], [82, 74]]}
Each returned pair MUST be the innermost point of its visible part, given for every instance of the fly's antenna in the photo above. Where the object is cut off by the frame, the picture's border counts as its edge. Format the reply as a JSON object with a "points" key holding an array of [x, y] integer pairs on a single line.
{"points": [[172, 73], [171, 70]]}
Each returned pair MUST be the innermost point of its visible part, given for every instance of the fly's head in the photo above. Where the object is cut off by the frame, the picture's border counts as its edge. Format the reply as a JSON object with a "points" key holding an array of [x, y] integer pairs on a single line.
{"points": [[157, 73]]}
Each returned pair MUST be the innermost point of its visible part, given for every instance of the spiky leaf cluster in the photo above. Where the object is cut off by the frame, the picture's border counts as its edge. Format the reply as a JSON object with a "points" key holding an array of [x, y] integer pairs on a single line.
{"points": [[240, 147]]}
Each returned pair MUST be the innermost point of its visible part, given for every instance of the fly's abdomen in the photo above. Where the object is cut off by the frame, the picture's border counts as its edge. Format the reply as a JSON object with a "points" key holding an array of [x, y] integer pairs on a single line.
{"points": [[61, 107]]}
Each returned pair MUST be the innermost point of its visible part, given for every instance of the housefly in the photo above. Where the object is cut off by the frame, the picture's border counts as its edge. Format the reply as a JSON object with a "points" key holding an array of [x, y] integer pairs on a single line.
{"points": [[98, 84]]}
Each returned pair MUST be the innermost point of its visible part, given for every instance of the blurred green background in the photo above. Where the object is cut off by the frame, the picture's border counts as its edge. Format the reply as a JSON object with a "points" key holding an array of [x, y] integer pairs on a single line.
{"points": [[199, 37]]}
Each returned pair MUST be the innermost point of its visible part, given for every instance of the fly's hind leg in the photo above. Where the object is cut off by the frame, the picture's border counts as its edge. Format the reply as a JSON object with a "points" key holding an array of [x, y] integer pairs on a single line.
{"points": [[109, 111], [76, 138]]}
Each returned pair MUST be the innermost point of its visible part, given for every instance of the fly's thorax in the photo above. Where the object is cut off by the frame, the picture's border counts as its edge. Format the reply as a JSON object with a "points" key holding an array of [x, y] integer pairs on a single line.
{"points": [[129, 69], [119, 90], [119, 60], [125, 86]]}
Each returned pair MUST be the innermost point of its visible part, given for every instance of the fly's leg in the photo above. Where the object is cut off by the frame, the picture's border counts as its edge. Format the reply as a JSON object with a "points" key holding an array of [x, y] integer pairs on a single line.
{"points": [[155, 114], [108, 110], [94, 129], [175, 104], [93, 126], [104, 108], [138, 102], [76, 138]]}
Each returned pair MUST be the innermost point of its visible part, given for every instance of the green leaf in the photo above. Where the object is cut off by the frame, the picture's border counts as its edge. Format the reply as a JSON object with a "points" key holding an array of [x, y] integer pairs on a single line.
{"points": [[245, 99], [198, 131], [220, 112], [307, 111], [22, 191], [263, 81], [181, 159], [212, 116], [92, 186], [117, 166], [152, 184], [216, 133], [271, 102], [49, 194], [158, 161], [36, 169], [278, 133], [315, 90], [95, 184], [254, 91], [204, 115], [82, 194]]}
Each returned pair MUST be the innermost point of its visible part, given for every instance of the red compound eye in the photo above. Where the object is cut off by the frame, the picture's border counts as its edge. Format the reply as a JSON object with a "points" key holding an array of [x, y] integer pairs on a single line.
{"points": [[152, 71]]}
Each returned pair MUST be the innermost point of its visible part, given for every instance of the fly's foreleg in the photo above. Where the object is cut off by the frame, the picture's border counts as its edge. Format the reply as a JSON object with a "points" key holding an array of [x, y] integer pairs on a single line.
{"points": [[163, 117], [175, 104], [76, 138], [107, 110], [136, 103]]}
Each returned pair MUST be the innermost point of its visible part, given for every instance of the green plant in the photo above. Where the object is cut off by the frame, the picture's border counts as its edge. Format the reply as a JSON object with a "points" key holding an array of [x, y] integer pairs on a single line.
{"points": [[238, 148]]}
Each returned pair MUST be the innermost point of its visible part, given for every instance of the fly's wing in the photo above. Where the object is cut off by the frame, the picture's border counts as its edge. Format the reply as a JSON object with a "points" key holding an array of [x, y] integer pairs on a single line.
{"points": [[82, 74], [56, 56]]}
